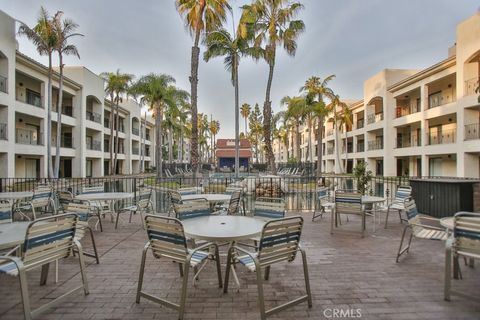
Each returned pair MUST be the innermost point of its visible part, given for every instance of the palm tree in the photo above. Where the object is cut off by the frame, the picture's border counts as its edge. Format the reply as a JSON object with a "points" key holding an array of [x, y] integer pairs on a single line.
{"points": [[200, 16], [45, 39], [295, 112], [335, 106], [65, 29], [172, 125], [158, 92], [271, 23], [316, 89], [214, 129], [221, 43], [245, 111], [346, 121], [117, 85], [183, 122]]}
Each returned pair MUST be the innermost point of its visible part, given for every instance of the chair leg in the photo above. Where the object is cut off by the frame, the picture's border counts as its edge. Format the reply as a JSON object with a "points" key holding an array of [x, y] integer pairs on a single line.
{"points": [[227, 269], [307, 278], [24, 291], [44, 274], [140, 276], [94, 245], [81, 258], [180, 268], [448, 273], [332, 220], [100, 221], [400, 249], [386, 217], [130, 218], [116, 220], [261, 298], [267, 273], [183, 296], [219, 268]]}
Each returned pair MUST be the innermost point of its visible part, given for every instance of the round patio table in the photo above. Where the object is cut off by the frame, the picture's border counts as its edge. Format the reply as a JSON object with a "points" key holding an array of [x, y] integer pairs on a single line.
{"points": [[104, 196], [210, 197], [12, 196], [374, 201]]}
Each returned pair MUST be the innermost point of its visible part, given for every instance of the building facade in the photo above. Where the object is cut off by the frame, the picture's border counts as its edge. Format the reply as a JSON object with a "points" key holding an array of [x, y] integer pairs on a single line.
{"points": [[410, 122]]}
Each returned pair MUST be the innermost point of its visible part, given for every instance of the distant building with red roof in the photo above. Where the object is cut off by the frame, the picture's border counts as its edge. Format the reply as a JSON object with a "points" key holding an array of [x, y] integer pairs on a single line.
{"points": [[225, 153]]}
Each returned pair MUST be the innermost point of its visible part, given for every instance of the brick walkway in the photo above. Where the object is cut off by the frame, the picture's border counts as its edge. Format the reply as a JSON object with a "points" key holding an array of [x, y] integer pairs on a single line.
{"points": [[346, 272]]}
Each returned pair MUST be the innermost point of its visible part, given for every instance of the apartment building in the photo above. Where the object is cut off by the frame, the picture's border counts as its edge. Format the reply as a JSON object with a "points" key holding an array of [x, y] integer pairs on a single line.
{"points": [[411, 122], [85, 119]]}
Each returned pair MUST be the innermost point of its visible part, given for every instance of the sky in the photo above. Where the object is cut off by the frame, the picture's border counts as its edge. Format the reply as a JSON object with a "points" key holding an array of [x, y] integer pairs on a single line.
{"points": [[353, 39]]}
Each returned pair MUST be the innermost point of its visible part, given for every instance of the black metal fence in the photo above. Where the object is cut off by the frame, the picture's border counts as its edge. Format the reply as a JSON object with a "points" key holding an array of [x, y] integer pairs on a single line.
{"points": [[299, 193]]}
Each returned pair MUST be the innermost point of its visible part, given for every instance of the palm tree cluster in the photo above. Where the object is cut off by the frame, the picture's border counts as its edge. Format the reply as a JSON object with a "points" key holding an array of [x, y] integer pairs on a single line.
{"points": [[316, 102]]}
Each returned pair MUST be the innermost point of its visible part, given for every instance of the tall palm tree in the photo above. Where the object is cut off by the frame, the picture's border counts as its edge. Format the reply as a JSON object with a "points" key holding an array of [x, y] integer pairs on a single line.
{"points": [[65, 29], [183, 122], [116, 87], [245, 111], [346, 121], [295, 112], [200, 16], [316, 90], [270, 23], [336, 105], [158, 92], [214, 129], [232, 47], [45, 39], [172, 125]]}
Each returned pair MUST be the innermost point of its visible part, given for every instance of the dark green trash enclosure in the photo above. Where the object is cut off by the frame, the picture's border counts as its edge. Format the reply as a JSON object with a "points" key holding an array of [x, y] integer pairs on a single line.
{"points": [[443, 197]]}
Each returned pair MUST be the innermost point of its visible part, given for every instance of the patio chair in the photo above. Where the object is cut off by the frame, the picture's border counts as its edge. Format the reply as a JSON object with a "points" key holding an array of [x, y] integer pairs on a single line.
{"points": [[234, 206], [279, 242], [324, 203], [42, 199], [84, 213], [192, 209], [143, 203], [64, 199], [167, 239], [5, 212], [175, 197], [271, 208], [401, 195], [347, 203], [46, 241], [418, 228], [465, 243]]}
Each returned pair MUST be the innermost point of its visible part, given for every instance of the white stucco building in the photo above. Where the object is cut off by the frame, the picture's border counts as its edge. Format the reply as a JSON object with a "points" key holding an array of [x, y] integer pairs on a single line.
{"points": [[413, 122]]}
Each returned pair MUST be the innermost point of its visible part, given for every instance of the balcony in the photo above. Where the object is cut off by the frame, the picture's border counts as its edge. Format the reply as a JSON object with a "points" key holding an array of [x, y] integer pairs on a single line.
{"points": [[106, 123], [360, 124], [93, 116], [135, 131], [66, 110], [442, 137], [374, 117], [375, 145], [470, 86], [135, 150], [329, 132], [147, 136], [94, 145], [3, 131], [65, 142], [401, 111], [439, 99], [3, 84], [106, 146], [32, 98], [361, 147], [330, 150], [349, 148], [472, 131], [30, 137], [408, 141]]}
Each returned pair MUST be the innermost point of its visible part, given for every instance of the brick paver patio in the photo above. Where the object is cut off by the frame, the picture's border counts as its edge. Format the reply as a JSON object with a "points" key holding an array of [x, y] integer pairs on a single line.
{"points": [[346, 272]]}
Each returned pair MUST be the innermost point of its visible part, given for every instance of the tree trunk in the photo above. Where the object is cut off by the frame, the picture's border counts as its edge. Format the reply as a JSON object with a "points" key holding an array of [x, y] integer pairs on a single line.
{"points": [[59, 117], [181, 147], [237, 119], [344, 167], [320, 147], [158, 141], [117, 140], [170, 146], [310, 146], [49, 118], [267, 117], [297, 136], [110, 142], [193, 91], [338, 165], [245, 126]]}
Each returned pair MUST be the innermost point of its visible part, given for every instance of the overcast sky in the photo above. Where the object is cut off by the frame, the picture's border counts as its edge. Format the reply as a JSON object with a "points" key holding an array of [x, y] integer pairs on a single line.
{"points": [[352, 39]]}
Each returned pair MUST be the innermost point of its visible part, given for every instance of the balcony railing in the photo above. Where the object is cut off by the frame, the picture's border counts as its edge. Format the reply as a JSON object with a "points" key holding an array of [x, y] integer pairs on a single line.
{"points": [[106, 146], [93, 116], [409, 141], [94, 145], [349, 149], [438, 99], [147, 137], [471, 85], [402, 111], [136, 131], [360, 147], [442, 137], [375, 145], [330, 150], [360, 124], [106, 122], [3, 84], [329, 132], [374, 117], [32, 98], [30, 137], [3, 131], [66, 110], [472, 131], [135, 150], [65, 142], [147, 153]]}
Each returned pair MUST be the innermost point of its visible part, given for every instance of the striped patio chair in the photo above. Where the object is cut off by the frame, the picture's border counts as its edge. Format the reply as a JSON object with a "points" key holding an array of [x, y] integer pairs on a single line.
{"points": [[192, 209], [64, 199], [167, 240], [323, 202], [176, 198], [418, 228], [41, 200], [347, 203], [401, 195], [84, 213], [271, 208], [46, 241], [5, 212], [102, 206], [142, 204], [190, 190], [465, 243], [279, 242]]}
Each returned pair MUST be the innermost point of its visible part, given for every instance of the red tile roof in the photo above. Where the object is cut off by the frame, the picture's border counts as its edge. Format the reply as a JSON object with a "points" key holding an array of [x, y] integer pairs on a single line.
{"points": [[230, 153], [230, 144]]}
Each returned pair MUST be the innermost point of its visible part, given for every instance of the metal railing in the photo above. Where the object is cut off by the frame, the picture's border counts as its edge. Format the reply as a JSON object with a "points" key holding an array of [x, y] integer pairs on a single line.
{"points": [[66, 110], [93, 116], [329, 132], [402, 111], [3, 84], [3, 131], [135, 131], [360, 124], [442, 137], [30, 137], [135, 150], [408, 141], [472, 131], [471, 85], [330, 150], [374, 117], [375, 145], [360, 147], [65, 142], [33, 98], [147, 137], [106, 123], [95, 145], [438, 99]]}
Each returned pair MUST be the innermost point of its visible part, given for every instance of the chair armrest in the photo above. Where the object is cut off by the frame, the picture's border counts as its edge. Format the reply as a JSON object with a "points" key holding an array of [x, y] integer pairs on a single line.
{"points": [[18, 262], [203, 246], [195, 199], [426, 226], [244, 251]]}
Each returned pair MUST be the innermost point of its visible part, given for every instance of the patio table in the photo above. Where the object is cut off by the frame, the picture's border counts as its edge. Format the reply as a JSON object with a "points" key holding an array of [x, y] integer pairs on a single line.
{"points": [[15, 195], [220, 229], [112, 197], [212, 198], [374, 201]]}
